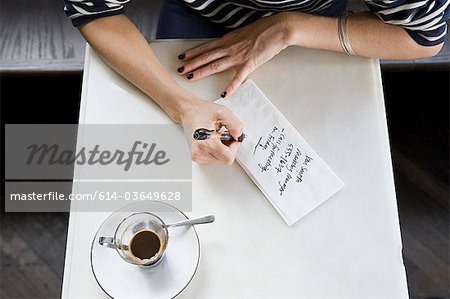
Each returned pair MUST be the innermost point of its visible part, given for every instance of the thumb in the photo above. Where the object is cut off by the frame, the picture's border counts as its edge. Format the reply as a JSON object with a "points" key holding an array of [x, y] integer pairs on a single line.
{"points": [[231, 122]]}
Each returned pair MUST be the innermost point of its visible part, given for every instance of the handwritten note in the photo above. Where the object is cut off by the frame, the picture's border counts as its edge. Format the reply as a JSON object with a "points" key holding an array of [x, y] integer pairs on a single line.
{"points": [[283, 157], [278, 159]]}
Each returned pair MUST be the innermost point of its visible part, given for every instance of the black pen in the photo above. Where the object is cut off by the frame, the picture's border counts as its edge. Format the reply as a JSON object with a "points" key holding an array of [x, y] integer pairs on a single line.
{"points": [[205, 134]]}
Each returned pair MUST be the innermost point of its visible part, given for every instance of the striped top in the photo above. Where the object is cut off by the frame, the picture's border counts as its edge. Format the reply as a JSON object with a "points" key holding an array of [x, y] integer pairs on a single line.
{"points": [[424, 20]]}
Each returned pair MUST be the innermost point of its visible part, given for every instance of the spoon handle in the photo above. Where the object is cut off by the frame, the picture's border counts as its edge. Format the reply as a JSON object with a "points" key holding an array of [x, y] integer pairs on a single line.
{"points": [[199, 220]]}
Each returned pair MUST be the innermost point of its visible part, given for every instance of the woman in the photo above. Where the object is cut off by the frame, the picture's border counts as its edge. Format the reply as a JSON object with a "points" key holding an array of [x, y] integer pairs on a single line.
{"points": [[251, 32]]}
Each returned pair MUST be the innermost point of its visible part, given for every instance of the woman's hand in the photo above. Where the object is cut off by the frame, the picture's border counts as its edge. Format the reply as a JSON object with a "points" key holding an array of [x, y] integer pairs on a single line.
{"points": [[242, 50], [124, 48], [202, 114]]}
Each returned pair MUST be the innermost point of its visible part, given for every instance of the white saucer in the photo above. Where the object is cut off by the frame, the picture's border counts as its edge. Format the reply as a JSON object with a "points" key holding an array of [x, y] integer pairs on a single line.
{"points": [[170, 277]]}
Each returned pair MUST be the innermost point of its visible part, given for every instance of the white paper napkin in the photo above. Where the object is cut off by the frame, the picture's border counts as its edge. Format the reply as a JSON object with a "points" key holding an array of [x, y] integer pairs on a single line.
{"points": [[278, 159]]}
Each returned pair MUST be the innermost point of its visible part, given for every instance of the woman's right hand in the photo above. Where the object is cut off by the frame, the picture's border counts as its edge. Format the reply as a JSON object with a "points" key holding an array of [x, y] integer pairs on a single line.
{"points": [[197, 114], [123, 47]]}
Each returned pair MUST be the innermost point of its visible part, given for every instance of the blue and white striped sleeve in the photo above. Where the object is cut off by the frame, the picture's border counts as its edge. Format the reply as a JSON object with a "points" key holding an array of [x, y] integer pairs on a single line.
{"points": [[83, 11], [424, 20]]}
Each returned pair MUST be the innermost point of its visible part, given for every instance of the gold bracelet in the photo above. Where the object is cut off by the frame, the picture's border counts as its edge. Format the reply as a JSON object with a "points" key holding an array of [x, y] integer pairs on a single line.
{"points": [[343, 35]]}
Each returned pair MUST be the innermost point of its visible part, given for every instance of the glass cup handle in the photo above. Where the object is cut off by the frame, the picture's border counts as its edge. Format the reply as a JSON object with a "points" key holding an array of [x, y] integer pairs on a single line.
{"points": [[107, 241]]}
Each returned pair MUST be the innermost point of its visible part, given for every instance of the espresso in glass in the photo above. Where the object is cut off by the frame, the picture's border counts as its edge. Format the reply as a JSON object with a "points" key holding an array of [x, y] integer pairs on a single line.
{"points": [[140, 239], [145, 244]]}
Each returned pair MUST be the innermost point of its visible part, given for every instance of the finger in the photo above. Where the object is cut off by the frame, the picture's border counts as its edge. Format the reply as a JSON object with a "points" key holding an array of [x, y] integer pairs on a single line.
{"points": [[208, 159], [201, 60], [203, 157], [237, 80], [234, 147], [215, 147], [230, 121], [200, 49], [212, 68], [222, 152]]}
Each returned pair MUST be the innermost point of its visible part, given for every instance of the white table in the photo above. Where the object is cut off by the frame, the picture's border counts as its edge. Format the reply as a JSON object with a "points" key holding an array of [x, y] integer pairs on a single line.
{"points": [[350, 247]]}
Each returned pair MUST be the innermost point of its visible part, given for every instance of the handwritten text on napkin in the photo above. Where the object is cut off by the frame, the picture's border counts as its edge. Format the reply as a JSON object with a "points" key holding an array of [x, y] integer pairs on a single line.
{"points": [[278, 159]]}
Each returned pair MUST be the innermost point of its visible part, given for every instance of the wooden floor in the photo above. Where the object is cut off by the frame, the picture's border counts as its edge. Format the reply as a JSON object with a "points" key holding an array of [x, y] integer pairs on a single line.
{"points": [[37, 35], [418, 119], [33, 245]]}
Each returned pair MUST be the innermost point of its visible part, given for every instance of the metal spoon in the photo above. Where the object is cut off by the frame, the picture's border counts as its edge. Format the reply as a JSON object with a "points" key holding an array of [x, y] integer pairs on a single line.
{"points": [[198, 220]]}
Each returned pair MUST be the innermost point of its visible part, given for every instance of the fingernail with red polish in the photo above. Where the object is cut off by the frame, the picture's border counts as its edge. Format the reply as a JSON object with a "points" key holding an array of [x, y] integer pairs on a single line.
{"points": [[180, 69], [224, 94], [190, 76], [181, 56]]}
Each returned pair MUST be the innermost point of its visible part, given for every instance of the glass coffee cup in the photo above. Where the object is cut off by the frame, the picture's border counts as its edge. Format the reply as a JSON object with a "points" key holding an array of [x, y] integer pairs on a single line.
{"points": [[140, 239]]}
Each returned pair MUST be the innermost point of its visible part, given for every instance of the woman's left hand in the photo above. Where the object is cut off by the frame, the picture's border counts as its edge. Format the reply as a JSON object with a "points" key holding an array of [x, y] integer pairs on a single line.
{"points": [[243, 50]]}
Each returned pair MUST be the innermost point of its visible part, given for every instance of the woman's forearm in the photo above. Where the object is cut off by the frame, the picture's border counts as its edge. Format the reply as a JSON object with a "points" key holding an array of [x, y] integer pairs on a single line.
{"points": [[123, 48], [369, 36]]}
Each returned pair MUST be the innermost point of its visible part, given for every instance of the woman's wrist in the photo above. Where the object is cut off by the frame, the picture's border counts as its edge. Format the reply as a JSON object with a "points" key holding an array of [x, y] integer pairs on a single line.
{"points": [[310, 31], [292, 32], [172, 98], [184, 105]]}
